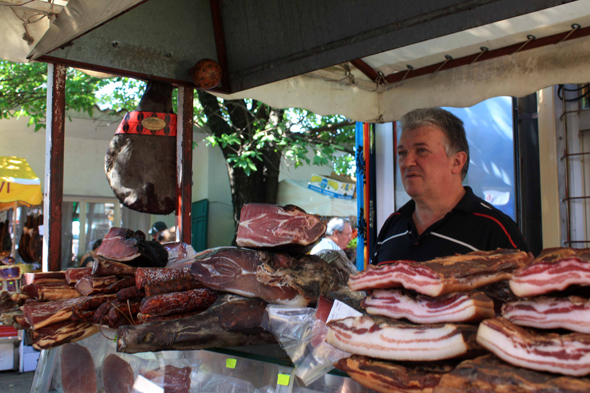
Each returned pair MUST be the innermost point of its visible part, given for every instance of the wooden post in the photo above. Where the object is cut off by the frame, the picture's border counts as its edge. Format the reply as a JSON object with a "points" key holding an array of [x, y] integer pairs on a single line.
{"points": [[184, 164], [54, 166]]}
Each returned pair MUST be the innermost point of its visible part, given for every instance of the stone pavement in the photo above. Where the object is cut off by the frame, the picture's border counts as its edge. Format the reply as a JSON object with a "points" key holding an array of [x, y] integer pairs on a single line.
{"points": [[13, 382]]}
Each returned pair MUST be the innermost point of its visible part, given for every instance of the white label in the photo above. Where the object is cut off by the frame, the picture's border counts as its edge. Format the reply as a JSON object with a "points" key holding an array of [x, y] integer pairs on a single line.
{"points": [[341, 310]]}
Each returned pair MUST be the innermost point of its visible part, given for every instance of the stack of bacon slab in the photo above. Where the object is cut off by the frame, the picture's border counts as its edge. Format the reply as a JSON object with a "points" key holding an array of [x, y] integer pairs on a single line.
{"points": [[549, 274], [450, 298]]}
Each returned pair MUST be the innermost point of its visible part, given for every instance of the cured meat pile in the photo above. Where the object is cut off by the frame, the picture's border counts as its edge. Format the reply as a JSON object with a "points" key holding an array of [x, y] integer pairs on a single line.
{"points": [[30, 246]]}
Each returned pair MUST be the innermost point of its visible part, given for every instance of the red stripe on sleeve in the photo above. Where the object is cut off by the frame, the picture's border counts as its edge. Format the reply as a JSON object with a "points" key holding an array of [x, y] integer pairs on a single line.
{"points": [[501, 226]]}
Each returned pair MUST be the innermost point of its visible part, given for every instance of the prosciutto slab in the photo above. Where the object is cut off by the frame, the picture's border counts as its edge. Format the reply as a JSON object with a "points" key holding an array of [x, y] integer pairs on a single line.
{"points": [[388, 377], [553, 270], [562, 354], [395, 340], [572, 313], [274, 278], [278, 228], [458, 273], [491, 375], [125, 245], [455, 307]]}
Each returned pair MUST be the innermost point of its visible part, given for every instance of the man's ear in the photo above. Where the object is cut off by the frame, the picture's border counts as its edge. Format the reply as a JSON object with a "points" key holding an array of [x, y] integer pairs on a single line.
{"points": [[459, 162]]}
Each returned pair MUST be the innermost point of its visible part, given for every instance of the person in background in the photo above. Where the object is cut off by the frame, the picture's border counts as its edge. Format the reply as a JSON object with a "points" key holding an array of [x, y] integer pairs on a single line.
{"points": [[157, 229], [88, 258], [338, 235], [443, 217]]}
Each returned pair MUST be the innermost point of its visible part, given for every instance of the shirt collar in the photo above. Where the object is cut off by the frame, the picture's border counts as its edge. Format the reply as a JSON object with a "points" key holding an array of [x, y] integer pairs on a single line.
{"points": [[468, 204]]}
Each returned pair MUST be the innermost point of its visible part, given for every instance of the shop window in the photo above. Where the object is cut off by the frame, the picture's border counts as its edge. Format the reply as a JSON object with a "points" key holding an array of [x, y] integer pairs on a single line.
{"points": [[489, 129]]}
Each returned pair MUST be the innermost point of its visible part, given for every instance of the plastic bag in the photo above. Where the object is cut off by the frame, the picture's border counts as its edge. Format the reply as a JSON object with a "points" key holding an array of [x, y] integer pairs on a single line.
{"points": [[216, 383], [170, 375]]}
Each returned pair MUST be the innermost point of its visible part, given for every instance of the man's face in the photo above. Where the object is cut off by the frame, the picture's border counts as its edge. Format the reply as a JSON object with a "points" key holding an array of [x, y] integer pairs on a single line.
{"points": [[426, 170], [344, 237]]}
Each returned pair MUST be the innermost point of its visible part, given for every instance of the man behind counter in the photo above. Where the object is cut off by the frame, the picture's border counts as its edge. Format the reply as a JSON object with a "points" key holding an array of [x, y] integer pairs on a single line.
{"points": [[443, 218]]}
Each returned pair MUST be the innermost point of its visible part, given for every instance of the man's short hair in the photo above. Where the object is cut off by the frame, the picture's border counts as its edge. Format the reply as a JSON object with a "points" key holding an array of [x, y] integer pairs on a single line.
{"points": [[450, 125], [96, 244], [336, 224]]}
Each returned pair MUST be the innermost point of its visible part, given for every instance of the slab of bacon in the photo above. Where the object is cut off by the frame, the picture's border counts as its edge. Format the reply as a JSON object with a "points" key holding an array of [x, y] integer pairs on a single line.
{"points": [[49, 292], [572, 313], [388, 377], [491, 375], [41, 314], [454, 307], [60, 333], [440, 276], [395, 340], [563, 354], [76, 274], [553, 270], [278, 228]]}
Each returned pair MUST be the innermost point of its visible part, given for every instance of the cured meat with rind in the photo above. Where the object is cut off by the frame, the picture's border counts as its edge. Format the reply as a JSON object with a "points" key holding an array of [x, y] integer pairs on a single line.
{"points": [[117, 375], [389, 339], [91, 285], [179, 302], [491, 375], [563, 354], [102, 267], [458, 273], [131, 247], [553, 270], [278, 228], [572, 313], [274, 278], [389, 377], [465, 307], [77, 369], [39, 315], [61, 333], [231, 321], [144, 275]]}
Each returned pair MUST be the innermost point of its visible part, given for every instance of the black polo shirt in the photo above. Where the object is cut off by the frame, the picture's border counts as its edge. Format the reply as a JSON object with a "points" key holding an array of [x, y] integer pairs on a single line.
{"points": [[471, 226]]}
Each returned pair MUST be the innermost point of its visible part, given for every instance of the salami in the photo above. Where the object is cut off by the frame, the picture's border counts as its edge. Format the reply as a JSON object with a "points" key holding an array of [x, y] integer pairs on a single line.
{"points": [[103, 267], [93, 302], [179, 302], [150, 275], [102, 312], [117, 375], [94, 285], [185, 283], [121, 284], [76, 274], [77, 370], [122, 313], [146, 318], [130, 293]]}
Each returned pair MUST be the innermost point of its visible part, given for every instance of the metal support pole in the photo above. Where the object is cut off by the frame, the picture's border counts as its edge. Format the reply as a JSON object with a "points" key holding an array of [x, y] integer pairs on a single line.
{"points": [[54, 166], [184, 164]]}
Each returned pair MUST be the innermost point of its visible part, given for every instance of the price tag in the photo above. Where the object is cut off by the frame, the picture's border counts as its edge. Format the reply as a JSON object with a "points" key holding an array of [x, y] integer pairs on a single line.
{"points": [[231, 363], [115, 339], [284, 379], [341, 310]]}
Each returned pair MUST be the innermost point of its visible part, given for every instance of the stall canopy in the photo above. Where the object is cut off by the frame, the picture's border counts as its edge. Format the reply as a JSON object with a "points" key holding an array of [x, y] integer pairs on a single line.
{"points": [[370, 61], [296, 193], [18, 183]]}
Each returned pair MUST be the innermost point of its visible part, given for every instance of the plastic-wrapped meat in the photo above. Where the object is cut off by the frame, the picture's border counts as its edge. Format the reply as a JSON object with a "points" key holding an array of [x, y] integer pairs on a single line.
{"points": [[76, 274], [278, 228], [131, 247], [572, 313], [49, 292], [553, 270], [177, 285], [149, 275], [178, 302], [389, 377], [102, 267], [491, 375], [395, 340], [563, 354], [178, 251], [77, 370], [454, 307], [457, 273], [42, 314], [90, 285], [117, 375], [274, 278], [172, 379], [60, 333]]}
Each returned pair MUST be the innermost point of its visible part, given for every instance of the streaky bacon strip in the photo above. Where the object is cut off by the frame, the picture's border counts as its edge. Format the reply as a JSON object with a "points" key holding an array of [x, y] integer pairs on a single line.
{"points": [[278, 227], [395, 340], [455, 307], [563, 354], [458, 273], [553, 270], [39, 315], [388, 377], [60, 333], [572, 313]]}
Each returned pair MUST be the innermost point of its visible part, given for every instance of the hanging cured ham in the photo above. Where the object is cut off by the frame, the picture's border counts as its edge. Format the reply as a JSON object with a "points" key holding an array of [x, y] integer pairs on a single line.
{"points": [[440, 276], [563, 354], [553, 270], [140, 162]]}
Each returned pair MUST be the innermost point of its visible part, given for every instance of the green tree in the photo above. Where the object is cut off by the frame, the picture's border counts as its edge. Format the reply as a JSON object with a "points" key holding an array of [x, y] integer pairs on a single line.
{"points": [[253, 137]]}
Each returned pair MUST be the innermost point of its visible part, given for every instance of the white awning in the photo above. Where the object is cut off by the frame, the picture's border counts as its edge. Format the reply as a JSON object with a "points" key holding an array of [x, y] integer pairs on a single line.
{"points": [[296, 193]]}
